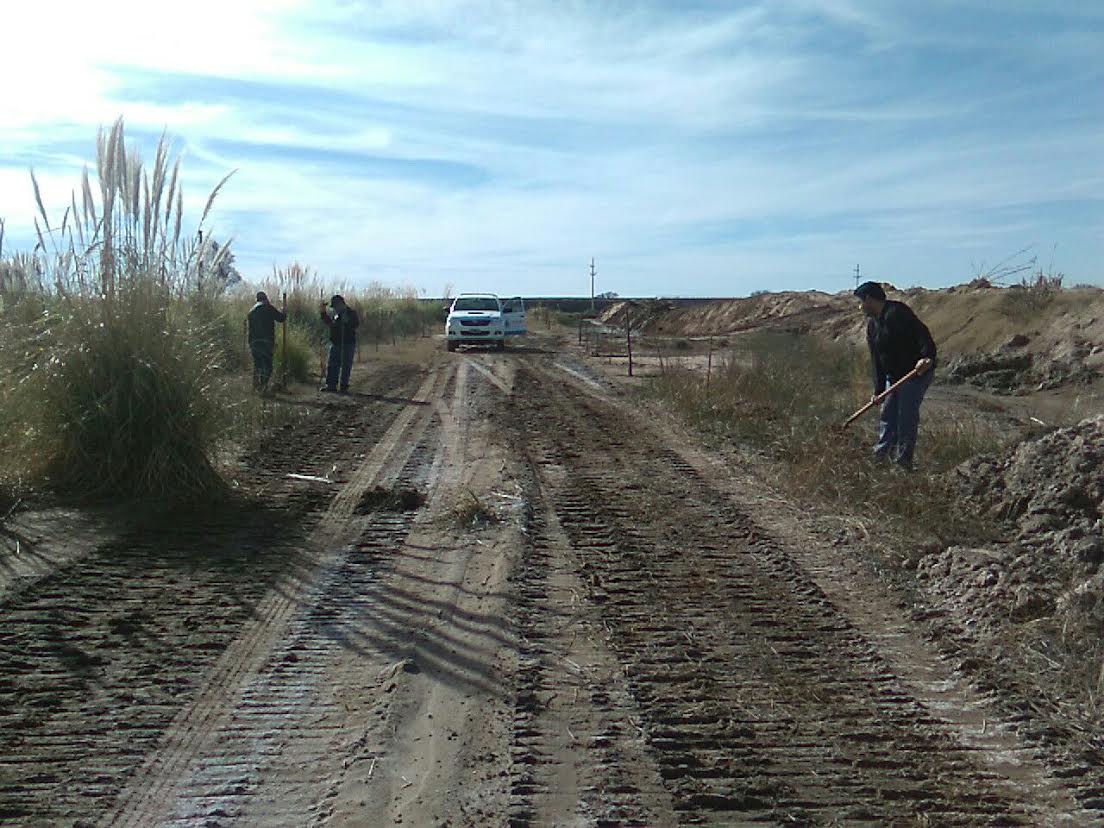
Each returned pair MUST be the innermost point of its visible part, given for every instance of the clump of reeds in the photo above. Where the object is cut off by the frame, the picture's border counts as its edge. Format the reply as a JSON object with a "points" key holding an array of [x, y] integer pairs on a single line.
{"points": [[387, 314], [112, 385]]}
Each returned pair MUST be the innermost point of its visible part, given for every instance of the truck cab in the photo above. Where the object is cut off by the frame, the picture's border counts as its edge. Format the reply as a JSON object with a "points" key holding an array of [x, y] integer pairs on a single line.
{"points": [[484, 319]]}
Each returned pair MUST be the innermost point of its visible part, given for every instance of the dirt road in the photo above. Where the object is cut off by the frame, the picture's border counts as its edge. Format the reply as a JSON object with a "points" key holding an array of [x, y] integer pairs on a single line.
{"points": [[505, 598]]}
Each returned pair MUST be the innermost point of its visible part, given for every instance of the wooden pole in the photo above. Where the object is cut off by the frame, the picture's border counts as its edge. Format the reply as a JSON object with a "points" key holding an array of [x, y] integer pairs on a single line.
{"points": [[880, 397], [322, 343], [284, 366], [709, 366], [628, 338]]}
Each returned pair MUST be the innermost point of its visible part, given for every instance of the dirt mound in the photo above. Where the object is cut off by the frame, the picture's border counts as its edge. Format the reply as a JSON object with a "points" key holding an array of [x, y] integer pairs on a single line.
{"points": [[804, 312], [1051, 483], [380, 499], [987, 336], [642, 315], [1011, 371], [1050, 490]]}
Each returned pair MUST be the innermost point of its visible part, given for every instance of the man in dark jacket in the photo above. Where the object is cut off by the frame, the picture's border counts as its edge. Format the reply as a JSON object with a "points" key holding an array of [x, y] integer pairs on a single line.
{"points": [[261, 333], [342, 322], [898, 342]]}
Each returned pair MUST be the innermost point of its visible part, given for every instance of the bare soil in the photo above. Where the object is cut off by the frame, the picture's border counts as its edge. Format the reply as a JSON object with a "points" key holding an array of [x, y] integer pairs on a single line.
{"points": [[644, 635]]}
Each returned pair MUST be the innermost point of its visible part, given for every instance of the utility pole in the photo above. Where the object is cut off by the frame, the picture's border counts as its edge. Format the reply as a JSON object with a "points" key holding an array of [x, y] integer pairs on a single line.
{"points": [[593, 273], [856, 275]]}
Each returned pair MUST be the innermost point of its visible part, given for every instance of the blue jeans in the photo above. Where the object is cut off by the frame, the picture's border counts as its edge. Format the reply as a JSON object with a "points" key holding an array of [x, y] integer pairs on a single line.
{"points": [[340, 364], [900, 420], [261, 350]]}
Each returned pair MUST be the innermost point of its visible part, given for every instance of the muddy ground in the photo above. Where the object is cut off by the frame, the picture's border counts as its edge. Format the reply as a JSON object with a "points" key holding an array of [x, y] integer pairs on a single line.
{"points": [[497, 591]]}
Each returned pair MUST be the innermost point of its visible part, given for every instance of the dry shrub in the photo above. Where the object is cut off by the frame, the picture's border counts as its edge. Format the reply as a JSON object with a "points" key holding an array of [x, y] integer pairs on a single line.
{"points": [[110, 377], [1027, 300], [786, 394], [473, 513]]}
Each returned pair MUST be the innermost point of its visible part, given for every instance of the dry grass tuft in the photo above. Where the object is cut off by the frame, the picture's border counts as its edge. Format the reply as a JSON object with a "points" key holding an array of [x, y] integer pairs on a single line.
{"points": [[785, 395], [473, 513]]}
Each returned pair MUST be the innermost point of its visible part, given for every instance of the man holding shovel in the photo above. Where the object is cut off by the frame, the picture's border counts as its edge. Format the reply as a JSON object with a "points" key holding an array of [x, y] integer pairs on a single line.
{"points": [[342, 322], [900, 345]]}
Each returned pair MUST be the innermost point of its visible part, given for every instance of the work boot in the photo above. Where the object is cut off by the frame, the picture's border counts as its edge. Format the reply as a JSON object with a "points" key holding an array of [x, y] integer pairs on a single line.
{"points": [[326, 389]]}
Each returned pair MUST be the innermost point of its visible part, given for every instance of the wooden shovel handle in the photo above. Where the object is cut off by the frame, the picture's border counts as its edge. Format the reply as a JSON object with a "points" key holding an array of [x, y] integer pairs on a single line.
{"points": [[915, 372]]}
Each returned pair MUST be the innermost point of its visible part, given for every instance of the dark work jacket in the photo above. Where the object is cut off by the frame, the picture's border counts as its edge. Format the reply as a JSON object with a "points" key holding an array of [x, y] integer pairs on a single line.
{"points": [[262, 319], [342, 326], [897, 341]]}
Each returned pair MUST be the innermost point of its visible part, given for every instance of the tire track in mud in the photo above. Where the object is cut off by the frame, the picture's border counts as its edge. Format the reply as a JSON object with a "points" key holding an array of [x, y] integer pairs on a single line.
{"points": [[99, 656], [198, 742], [250, 770], [577, 755], [758, 699]]}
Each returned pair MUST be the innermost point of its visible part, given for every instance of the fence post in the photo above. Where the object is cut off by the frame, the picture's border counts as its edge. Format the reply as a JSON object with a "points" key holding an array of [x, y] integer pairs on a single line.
{"points": [[284, 367], [628, 338], [709, 367]]}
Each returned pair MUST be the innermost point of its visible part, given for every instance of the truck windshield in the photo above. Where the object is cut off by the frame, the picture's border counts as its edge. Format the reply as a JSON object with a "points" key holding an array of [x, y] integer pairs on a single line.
{"points": [[476, 303]]}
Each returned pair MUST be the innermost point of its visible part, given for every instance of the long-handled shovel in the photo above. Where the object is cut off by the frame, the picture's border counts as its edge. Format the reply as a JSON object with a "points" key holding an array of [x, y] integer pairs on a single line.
{"points": [[915, 372]]}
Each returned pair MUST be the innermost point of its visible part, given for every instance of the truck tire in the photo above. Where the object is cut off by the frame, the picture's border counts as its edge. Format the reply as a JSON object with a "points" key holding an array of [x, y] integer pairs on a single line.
{"points": [[451, 345]]}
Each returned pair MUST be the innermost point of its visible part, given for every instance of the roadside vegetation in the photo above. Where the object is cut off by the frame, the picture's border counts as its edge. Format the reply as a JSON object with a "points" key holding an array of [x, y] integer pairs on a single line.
{"points": [[1028, 299], [124, 370], [783, 395], [107, 378]]}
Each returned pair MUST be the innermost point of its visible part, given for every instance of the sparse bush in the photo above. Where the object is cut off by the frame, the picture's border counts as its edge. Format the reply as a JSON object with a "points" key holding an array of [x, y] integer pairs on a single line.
{"points": [[222, 319], [1032, 296], [301, 355], [473, 513]]}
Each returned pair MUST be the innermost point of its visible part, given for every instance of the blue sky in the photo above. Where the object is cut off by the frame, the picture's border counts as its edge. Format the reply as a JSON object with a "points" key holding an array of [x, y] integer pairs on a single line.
{"points": [[696, 148]]}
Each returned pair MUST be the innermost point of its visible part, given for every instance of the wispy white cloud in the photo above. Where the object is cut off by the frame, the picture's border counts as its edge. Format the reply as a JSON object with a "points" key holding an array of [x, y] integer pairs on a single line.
{"points": [[699, 147]]}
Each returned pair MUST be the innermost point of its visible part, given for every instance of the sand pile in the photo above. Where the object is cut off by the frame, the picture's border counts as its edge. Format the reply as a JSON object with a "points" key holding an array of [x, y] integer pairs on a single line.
{"points": [[1050, 492]]}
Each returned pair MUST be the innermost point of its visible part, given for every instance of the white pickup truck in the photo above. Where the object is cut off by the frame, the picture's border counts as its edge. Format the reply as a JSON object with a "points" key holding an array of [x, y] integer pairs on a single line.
{"points": [[483, 318]]}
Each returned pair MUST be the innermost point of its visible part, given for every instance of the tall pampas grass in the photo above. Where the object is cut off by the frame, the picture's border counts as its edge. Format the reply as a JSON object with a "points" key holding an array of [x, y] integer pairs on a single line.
{"points": [[111, 384]]}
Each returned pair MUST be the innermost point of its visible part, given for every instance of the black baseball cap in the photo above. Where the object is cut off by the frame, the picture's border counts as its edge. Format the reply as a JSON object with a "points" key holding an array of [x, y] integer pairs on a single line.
{"points": [[870, 289]]}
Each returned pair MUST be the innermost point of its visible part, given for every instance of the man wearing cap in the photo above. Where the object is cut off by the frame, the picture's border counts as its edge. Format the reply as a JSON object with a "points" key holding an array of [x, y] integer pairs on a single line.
{"points": [[898, 342], [261, 333], [342, 322]]}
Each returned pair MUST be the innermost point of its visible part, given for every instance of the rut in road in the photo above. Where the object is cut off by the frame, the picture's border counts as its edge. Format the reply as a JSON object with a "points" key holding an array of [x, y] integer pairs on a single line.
{"points": [[266, 685], [756, 697], [99, 657]]}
